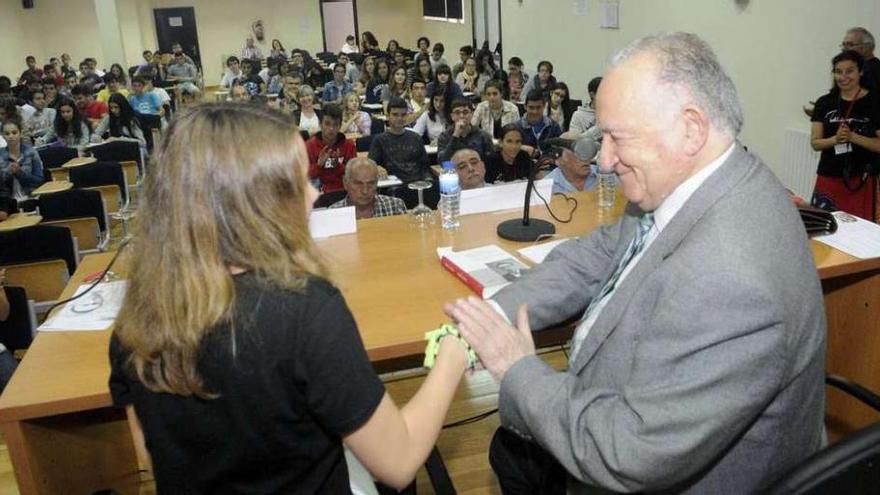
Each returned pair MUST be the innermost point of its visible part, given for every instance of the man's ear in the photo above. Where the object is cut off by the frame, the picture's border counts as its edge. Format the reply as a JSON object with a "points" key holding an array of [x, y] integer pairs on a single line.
{"points": [[697, 125]]}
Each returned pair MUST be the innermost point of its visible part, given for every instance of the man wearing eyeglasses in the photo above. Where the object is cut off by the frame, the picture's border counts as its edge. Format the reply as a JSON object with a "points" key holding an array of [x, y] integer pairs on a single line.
{"points": [[462, 134]]}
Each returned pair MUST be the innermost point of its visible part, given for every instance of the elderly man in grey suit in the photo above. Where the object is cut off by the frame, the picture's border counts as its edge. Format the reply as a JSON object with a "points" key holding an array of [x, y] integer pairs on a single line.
{"points": [[697, 363]]}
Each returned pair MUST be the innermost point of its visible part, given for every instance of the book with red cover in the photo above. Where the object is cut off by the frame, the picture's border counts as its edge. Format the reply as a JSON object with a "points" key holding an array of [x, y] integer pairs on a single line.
{"points": [[485, 270]]}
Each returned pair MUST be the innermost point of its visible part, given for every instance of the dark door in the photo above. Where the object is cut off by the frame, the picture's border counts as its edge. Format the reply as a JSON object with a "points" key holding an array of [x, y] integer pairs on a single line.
{"points": [[178, 25]]}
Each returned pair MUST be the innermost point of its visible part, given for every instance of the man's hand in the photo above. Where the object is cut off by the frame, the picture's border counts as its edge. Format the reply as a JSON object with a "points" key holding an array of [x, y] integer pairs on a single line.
{"points": [[498, 344], [323, 156], [459, 128]]}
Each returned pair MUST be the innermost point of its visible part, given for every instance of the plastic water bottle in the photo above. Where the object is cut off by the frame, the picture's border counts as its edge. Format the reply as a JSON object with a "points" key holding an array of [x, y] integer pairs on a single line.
{"points": [[449, 196]]}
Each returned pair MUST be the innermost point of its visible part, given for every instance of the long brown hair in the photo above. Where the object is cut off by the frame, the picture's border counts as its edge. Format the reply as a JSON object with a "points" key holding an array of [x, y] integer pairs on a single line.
{"points": [[227, 188]]}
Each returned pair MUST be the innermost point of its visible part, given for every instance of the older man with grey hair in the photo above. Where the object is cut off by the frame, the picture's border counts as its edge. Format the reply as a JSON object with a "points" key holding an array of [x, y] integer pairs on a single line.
{"points": [[861, 41], [697, 361], [361, 181], [470, 168]]}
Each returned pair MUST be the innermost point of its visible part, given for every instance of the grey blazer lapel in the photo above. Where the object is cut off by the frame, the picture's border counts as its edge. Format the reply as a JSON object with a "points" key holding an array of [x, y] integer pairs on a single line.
{"points": [[737, 165]]}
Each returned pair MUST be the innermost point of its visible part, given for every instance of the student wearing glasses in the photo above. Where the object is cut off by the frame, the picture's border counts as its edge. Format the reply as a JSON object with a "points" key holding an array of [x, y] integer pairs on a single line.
{"points": [[463, 134]]}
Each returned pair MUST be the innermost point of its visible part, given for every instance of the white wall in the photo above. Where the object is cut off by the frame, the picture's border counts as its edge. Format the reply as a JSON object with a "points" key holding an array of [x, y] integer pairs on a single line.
{"points": [[778, 52]]}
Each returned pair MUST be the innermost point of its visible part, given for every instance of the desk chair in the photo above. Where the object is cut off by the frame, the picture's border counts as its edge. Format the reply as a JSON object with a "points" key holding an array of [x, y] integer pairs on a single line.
{"points": [[83, 212], [102, 174], [119, 151], [851, 465], [55, 157], [327, 199], [363, 143], [150, 123], [58, 174], [17, 332]]}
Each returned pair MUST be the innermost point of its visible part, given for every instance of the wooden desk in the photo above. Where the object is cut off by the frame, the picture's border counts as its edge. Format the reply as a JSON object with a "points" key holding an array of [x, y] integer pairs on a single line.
{"points": [[77, 162], [64, 436], [19, 220], [52, 187]]}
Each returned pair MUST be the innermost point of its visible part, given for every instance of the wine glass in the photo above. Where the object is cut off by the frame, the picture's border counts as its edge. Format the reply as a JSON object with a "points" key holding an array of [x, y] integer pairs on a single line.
{"points": [[421, 216]]}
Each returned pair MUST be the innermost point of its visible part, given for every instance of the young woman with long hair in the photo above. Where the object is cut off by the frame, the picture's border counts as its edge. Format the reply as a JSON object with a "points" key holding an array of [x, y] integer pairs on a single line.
{"points": [[846, 129], [354, 120], [433, 122], [120, 122], [239, 355], [396, 86], [379, 82], [560, 107], [69, 127]]}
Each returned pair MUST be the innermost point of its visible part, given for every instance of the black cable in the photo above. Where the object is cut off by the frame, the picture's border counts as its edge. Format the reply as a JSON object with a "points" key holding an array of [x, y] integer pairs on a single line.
{"points": [[543, 164], [472, 419], [96, 282]]}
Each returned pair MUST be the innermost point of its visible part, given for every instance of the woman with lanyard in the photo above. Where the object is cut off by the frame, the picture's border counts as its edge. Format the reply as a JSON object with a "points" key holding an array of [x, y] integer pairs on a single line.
{"points": [[846, 129]]}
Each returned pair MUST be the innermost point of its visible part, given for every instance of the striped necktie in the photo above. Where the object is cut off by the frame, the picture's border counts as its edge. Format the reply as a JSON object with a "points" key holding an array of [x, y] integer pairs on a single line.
{"points": [[646, 221]]}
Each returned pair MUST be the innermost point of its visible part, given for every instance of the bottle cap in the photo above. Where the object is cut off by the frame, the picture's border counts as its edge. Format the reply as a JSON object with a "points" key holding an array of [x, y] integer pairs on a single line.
{"points": [[448, 165]]}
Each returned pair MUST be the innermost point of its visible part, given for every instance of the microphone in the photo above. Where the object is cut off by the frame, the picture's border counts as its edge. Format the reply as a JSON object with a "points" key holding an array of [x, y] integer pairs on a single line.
{"points": [[586, 149]]}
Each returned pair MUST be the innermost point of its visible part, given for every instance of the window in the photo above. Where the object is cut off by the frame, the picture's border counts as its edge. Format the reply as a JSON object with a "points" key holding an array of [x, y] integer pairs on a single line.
{"points": [[443, 10]]}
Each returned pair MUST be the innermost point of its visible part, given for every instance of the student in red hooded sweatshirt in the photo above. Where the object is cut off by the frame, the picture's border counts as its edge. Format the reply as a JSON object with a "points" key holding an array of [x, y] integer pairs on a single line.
{"points": [[329, 151]]}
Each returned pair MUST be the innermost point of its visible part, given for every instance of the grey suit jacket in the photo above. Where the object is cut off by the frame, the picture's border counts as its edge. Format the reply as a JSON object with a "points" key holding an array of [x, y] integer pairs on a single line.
{"points": [[704, 373]]}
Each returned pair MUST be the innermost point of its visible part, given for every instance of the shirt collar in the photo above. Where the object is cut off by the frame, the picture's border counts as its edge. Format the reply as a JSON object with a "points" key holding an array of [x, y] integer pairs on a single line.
{"points": [[674, 202]]}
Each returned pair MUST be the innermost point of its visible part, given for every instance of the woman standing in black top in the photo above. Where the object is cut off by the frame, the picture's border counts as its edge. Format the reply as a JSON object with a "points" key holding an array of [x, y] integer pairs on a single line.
{"points": [[241, 359], [846, 129], [509, 162]]}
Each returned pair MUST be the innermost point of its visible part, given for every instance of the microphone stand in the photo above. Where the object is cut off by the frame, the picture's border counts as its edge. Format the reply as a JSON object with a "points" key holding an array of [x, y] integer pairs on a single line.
{"points": [[526, 229]]}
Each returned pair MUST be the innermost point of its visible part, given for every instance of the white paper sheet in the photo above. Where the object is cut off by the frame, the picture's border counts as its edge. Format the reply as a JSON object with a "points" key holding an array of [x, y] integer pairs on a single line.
{"points": [[332, 221], [503, 197], [538, 252], [94, 311], [854, 236]]}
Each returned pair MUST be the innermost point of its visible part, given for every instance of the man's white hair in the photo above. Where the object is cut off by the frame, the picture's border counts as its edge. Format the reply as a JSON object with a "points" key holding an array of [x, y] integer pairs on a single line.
{"points": [[685, 60]]}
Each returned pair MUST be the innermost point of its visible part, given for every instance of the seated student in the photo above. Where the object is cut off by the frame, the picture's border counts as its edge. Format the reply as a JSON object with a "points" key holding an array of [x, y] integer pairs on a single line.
{"points": [[400, 151], [329, 150], [464, 53], [560, 107], [536, 127], [120, 122], [278, 52], [183, 73], [437, 58], [367, 73], [93, 64], [32, 71], [8, 364], [89, 78], [146, 65], [307, 117], [163, 95], [574, 171], [70, 128], [337, 88], [470, 168], [118, 71], [112, 85], [416, 101], [315, 76], [50, 91], [256, 358], [584, 118], [352, 74], [396, 86], [494, 112], [423, 44], [433, 122], [232, 72], [276, 80], [143, 102], [40, 123], [361, 181], [542, 80], [509, 162], [443, 83], [462, 134], [350, 46], [421, 71], [88, 107], [377, 85], [399, 59], [252, 82], [9, 111], [355, 120], [21, 169], [51, 72], [470, 79]]}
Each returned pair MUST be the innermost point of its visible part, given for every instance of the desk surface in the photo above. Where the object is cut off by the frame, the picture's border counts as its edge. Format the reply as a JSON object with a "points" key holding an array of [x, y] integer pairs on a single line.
{"points": [[52, 187], [19, 220], [388, 272]]}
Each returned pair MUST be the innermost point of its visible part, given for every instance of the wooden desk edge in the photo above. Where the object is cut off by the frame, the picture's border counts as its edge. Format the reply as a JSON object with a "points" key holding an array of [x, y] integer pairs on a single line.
{"points": [[55, 408]]}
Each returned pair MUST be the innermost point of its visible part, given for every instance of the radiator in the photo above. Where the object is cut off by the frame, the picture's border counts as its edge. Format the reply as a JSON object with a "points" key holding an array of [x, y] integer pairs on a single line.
{"points": [[798, 163]]}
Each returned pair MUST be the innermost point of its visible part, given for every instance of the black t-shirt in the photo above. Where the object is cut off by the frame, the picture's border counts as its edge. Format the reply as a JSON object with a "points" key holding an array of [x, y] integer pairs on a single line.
{"points": [[499, 171], [293, 378], [864, 119], [871, 75]]}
